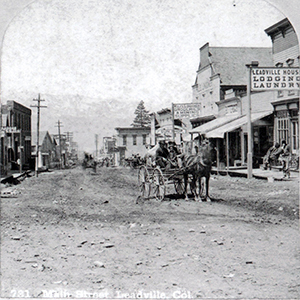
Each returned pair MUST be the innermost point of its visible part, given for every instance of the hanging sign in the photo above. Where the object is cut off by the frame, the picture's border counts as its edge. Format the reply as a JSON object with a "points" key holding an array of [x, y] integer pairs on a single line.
{"points": [[11, 129], [269, 78], [186, 110]]}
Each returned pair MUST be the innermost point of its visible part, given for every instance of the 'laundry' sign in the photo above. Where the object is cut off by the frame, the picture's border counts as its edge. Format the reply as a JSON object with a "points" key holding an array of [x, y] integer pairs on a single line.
{"points": [[263, 79]]}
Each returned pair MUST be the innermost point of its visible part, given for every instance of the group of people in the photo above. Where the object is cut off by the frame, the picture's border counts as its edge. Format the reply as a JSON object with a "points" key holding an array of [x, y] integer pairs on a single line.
{"points": [[166, 154], [281, 154]]}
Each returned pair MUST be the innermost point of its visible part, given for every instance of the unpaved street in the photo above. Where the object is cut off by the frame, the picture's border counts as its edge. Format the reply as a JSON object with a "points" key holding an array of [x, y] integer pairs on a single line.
{"points": [[72, 233]]}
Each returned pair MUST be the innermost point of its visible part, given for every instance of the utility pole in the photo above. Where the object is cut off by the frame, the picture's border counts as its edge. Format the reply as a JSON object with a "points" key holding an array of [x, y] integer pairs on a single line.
{"points": [[96, 141], [69, 136], [39, 100], [249, 124], [59, 139]]}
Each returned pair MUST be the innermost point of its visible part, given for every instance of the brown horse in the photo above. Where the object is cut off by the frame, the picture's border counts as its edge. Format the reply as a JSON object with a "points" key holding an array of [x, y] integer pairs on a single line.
{"points": [[198, 165]]}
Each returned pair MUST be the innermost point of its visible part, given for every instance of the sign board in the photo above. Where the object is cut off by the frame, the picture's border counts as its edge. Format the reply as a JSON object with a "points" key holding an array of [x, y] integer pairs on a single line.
{"points": [[186, 110], [269, 78], [11, 129]]}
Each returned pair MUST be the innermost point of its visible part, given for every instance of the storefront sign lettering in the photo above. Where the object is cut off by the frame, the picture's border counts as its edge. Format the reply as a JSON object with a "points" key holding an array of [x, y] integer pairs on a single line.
{"points": [[263, 79], [186, 110]]}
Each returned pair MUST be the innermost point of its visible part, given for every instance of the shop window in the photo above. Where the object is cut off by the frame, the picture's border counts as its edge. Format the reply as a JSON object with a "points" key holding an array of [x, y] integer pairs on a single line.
{"points": [[124, 140], [134, 140], [295, 135], [283, 128]]}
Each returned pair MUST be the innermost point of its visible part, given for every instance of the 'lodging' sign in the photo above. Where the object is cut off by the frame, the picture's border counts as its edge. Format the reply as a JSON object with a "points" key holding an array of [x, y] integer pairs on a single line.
{"points": [[267, 79], [186, 110]]}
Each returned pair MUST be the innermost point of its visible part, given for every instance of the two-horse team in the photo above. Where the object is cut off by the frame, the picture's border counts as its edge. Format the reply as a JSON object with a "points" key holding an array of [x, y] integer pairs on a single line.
{"points": [[192, 167]]}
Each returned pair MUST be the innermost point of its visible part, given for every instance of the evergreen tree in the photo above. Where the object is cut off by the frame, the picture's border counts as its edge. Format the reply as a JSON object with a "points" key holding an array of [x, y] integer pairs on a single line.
{"points": [[142, 118]]}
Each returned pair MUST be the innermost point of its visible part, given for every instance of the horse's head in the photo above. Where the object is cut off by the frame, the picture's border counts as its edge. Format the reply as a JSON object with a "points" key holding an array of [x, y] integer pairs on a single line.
{"points": [[206, 151]]}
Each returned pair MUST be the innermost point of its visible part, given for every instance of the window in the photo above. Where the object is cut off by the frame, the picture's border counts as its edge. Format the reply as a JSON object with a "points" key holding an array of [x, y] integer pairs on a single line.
{"points": [[279, 94], [290, 62], [295, 135], [144, 139], [124, 140], [283, 128], [134, 140]]}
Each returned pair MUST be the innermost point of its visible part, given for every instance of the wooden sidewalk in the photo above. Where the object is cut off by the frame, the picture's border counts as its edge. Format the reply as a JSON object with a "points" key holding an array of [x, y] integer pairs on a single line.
{"points": [[258, 173]]}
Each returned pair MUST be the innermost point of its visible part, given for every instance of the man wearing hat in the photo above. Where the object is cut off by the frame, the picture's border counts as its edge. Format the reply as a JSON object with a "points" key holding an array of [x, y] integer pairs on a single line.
{"points": [[173, 153], [285, 157], [162, 154]]}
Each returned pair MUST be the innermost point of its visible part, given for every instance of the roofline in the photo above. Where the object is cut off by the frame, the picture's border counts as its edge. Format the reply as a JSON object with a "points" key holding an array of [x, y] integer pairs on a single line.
{"points": [[228, 47], [285, 101], [133, 128], [164, 110], [205, 45], [283, 23]]}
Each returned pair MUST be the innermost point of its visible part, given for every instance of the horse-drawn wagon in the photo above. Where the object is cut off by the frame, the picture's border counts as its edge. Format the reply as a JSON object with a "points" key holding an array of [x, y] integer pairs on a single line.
{"points": [[153, 180]]}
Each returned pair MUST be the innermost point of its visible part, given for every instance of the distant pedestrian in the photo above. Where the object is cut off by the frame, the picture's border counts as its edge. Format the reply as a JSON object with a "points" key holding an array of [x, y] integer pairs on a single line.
{"points": [[285, 157]]}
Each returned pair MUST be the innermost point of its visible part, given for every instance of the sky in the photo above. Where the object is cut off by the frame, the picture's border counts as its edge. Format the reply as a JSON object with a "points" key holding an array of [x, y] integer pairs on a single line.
{"points": [[93, 61]]}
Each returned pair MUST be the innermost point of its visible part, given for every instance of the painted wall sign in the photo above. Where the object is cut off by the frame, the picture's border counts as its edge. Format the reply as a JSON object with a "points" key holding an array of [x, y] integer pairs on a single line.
{"points": [[267, 79]]}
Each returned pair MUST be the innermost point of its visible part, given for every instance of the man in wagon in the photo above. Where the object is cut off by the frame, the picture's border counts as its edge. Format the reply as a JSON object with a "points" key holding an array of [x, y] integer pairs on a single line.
{"points": [[162, 154], [173, 154]]}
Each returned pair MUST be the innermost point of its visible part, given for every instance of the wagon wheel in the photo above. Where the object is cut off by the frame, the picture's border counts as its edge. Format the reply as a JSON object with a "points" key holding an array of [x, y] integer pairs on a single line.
{"points": [[144, 182], [179, 185], [159, 184]]}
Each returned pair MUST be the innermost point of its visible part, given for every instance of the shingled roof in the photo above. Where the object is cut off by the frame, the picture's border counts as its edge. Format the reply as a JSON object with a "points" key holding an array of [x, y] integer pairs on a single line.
{"points": [[230, 62]]}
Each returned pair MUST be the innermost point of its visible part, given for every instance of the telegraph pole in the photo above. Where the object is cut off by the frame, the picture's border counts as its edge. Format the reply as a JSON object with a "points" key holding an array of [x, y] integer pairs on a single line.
{"points": [[69, 136], [249, 124], [59, 138], [96, 141], [39, 100]]}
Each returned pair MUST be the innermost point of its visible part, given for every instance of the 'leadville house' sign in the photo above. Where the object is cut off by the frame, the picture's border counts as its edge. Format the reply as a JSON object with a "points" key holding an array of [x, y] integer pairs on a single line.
{"points": [[263, 79]]}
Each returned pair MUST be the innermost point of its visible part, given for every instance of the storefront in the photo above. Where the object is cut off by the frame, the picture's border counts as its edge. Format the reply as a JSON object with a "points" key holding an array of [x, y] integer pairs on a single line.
{"points": [[286, 122]]}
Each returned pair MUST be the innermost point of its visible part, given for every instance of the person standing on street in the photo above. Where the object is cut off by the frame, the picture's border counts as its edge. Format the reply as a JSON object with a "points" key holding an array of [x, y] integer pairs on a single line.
{"points": [[285, 157]]}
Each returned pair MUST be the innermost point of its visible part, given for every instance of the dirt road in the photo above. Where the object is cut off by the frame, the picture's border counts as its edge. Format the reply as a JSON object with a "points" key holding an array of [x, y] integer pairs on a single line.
{"points": [[74, 234]]}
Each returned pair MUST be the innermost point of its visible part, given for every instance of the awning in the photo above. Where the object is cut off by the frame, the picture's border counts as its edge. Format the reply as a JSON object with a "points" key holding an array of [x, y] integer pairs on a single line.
{"points": [[204, 118], [233, 125], [168, 129], [202, 129]]}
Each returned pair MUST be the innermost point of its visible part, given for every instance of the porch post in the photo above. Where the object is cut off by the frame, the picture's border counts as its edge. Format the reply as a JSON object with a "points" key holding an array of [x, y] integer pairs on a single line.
{"points": [[227, 152], [242, 147], [249, 125], [218, 155]]}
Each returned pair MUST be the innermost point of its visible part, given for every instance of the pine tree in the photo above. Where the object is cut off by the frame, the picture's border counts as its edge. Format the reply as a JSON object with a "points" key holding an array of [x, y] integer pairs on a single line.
{"points": [[142, 118]]}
